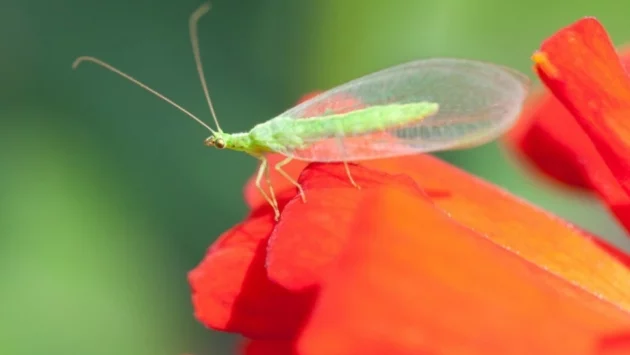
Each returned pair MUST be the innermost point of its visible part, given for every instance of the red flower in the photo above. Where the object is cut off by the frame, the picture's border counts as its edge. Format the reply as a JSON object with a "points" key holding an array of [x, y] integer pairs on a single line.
{"points": [[587, 77], [424, 259]]}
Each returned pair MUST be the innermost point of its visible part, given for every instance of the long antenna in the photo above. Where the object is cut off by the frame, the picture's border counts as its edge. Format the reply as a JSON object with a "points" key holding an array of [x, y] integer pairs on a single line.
{"points": [[137, 82], [194, 38]]}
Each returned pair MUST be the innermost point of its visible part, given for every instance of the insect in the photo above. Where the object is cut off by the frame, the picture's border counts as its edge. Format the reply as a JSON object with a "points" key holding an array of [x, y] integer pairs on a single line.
{"points": [[422, 106]]}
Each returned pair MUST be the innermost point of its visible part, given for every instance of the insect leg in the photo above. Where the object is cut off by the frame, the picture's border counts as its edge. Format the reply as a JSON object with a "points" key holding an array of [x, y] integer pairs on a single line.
{"points": [[278, 168], [271, 192], [345, 163], [261, 170]]}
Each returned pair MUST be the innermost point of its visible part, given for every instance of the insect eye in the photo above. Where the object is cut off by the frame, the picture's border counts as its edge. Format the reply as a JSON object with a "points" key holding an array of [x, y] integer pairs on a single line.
{"points": [[219, 143], [209, 142]]}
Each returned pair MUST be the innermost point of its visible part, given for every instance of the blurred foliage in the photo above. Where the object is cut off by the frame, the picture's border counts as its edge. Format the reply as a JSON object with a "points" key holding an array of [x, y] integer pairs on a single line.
{"points": [[109, 197]]}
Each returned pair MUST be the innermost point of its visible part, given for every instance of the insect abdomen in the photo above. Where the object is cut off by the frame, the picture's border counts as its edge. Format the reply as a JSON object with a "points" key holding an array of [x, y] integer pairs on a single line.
{"points": [[282, 132], [363, 121]]}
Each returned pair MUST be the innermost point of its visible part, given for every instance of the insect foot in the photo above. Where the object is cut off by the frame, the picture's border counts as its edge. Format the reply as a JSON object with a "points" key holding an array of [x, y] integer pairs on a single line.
{"points": [[302, 195], [276, 214], [345, 164]]}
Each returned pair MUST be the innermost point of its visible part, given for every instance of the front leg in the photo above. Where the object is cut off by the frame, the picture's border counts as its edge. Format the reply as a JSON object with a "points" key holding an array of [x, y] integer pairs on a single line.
{"points": [[264, 167], [271, 192]]}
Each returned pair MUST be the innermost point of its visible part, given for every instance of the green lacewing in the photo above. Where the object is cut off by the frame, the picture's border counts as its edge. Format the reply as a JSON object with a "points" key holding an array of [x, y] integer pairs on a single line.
{"points": [[422, 106]]}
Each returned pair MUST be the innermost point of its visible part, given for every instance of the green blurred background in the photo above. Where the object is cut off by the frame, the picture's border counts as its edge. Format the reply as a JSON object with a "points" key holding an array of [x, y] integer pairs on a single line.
{"points": [[108, 196]]}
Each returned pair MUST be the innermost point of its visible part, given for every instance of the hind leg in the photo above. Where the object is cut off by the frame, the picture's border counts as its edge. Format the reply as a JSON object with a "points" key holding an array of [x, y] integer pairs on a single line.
{"points": [[345, 163]]}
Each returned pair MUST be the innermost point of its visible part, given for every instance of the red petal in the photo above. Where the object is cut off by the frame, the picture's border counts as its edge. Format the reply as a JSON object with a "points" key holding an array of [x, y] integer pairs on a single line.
{"points": [[411, 280], [253, 305], [310, 235], [548, 135], [580, 66], [551, 138], [535, 235], [615, 344], [231, 291], [308, 240], [268, 347]]}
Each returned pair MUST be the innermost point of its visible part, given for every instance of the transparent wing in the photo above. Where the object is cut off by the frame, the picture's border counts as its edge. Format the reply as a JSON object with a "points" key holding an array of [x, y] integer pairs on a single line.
{"points": [[477, 103]]}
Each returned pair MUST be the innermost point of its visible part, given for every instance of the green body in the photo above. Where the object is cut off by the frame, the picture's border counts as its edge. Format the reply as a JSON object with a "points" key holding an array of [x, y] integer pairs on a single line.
{"points": [[285, 133]]}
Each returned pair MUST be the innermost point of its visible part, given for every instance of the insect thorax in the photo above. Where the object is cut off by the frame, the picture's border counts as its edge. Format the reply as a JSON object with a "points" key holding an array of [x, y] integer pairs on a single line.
{"points": [[276, 135]]}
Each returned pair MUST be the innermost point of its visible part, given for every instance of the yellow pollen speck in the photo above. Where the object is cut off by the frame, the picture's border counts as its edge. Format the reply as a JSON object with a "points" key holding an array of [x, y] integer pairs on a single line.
{"points": [[542, 61]]}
